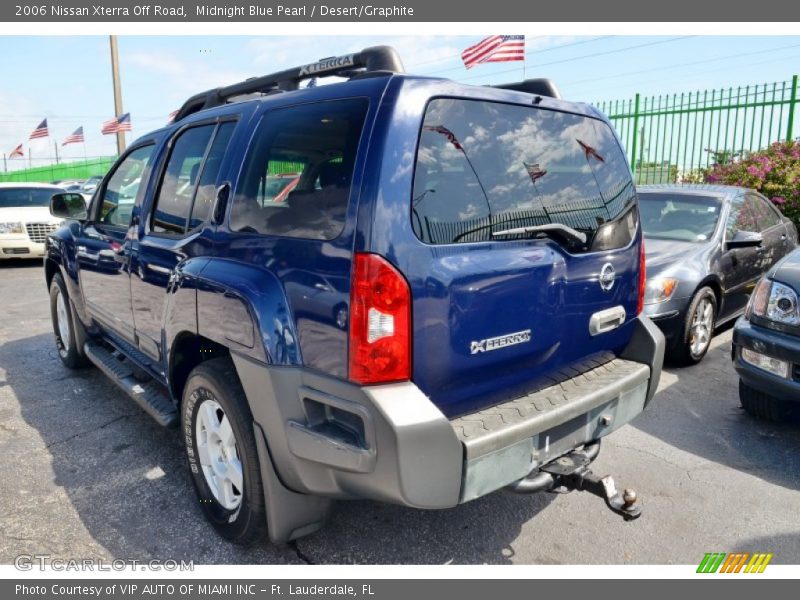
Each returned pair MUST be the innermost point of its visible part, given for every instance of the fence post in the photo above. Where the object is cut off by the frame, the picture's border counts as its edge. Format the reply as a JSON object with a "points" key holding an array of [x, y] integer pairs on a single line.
{"points": [[792, 104], [635, 134]]}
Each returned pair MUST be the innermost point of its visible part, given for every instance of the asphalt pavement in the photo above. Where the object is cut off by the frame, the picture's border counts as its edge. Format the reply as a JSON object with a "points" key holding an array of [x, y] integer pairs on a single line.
{"points": [[86, 474]]}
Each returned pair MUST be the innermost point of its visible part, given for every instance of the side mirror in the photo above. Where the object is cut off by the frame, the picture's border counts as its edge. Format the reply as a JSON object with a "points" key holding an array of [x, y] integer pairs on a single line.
{"points": [[745, 239], [68, 205]]}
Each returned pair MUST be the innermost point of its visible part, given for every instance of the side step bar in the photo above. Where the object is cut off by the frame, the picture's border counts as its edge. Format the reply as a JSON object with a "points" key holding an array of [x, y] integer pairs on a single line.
{"points": [[148, 395]]}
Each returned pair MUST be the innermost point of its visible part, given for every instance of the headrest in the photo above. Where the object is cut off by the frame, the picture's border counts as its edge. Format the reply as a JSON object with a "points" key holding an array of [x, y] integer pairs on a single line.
{"points": [[332, 174]]}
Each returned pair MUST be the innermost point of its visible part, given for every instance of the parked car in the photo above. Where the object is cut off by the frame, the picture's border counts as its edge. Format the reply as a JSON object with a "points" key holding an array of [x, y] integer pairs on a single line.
{"points": [[766, 344], [69, 184], [90, 185], [706, 246], [470, 319], [25, 219]]}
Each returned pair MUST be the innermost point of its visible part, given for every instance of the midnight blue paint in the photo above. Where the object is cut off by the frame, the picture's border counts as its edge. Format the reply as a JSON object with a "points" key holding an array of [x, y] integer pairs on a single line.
{"points": [[276, 299]]}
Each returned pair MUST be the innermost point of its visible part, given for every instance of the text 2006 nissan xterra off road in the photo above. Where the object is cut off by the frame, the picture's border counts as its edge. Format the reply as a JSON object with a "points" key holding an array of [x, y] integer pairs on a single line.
{"points": [[394, 287]]}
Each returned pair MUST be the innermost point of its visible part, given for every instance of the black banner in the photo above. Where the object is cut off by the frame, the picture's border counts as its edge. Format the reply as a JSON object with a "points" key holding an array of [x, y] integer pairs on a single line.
{"points": [[375, 589], [398, 11]]}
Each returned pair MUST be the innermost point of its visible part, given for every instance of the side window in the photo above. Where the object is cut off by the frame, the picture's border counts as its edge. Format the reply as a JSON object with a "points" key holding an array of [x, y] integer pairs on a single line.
{"points": [[174, 200], [297, 174], [204, 198], [119, 195], [743, 216], [767, 216]]}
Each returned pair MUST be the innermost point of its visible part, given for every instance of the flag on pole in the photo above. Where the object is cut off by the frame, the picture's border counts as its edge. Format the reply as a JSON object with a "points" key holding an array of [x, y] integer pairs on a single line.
{"points": [[124, 122], [495, 48], [41, 131], [16, 152], [75, 138], [121, 123]]}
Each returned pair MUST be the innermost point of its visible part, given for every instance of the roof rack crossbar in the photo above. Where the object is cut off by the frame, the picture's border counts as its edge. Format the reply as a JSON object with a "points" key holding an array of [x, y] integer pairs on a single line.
{"points": [[375, 58]]}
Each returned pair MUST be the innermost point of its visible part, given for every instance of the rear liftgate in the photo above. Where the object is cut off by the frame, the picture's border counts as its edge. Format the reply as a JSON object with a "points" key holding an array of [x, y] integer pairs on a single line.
{"points": [[571, 472]]}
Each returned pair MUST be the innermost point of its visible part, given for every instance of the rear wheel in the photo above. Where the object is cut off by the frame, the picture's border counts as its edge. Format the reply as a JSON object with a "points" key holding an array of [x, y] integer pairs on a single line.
{"points": [[763, 406], [64, 323], [698, 327], [217, 428]]}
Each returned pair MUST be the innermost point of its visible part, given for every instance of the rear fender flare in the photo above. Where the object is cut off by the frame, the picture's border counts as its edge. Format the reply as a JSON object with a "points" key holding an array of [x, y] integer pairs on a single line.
{"points": [[244, 308]]}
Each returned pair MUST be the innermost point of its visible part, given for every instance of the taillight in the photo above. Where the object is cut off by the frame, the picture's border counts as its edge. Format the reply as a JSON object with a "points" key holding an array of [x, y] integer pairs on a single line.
{"points": [[380, 322], [642, 278]]}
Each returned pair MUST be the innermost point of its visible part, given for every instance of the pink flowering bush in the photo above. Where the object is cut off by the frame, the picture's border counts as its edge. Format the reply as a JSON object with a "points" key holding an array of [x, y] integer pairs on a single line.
{"points": [[774, 171]]}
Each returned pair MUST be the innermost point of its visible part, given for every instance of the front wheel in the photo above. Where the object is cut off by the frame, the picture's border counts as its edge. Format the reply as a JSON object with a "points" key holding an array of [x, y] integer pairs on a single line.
{"points": [[217, 428], [698, 327]]}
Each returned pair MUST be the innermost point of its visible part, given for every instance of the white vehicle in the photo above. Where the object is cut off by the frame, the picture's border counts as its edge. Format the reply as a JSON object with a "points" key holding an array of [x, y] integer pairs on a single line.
{"points": [[25, 218]]}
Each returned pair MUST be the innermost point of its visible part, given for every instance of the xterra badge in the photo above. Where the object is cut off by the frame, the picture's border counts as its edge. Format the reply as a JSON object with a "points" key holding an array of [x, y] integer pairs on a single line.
{"points": [[501, 341]]}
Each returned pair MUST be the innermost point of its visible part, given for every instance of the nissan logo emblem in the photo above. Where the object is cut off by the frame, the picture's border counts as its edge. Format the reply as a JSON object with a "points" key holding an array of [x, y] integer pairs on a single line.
{"points": [[607, 277]]}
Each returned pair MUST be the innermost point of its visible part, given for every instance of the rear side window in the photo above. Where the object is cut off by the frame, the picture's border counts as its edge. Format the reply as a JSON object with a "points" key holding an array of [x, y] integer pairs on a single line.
{"points": [[298, 173], [484, 167], [187, 189]]}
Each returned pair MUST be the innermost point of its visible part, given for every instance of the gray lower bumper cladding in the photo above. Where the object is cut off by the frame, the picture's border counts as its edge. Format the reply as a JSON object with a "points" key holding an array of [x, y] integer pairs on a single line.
{"points": [[322, 438]]}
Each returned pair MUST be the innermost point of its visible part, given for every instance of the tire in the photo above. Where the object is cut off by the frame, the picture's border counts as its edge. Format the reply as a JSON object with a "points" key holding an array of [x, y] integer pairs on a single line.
{"points": [[217, 427], [700, 319], [64, 323], [763, 406]]}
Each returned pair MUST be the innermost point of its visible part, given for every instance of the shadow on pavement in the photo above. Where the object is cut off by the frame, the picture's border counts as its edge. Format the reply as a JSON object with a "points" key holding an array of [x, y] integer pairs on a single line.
{"points": [[708, 421], [125, 477]]}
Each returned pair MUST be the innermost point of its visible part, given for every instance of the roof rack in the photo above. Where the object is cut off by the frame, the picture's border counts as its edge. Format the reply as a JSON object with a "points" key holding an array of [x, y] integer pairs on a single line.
{"points": [[540, 87], [383, 59]]}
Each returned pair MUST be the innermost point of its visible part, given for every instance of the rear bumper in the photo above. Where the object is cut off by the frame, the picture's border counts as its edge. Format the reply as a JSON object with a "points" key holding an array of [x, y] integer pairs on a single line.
{"points": [[772, 343], [326, 437]]}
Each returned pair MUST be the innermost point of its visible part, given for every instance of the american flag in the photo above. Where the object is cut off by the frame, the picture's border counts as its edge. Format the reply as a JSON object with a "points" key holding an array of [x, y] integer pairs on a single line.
{"points": [[40, 131], [451, 137], [16, 152], [495, 48], [75, 138], [535, 172], [121, 123], [589, 151]]}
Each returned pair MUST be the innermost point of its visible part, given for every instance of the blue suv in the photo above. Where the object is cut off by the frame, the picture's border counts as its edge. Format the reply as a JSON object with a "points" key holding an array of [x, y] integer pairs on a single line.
{"points": [[396, 288]]}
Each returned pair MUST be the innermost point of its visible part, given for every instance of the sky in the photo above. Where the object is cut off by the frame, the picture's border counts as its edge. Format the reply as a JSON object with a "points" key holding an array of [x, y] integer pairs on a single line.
{"points": [[68, 79]]}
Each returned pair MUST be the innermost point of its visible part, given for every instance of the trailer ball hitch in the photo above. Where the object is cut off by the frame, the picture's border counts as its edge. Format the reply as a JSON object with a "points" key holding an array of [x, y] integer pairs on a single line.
{"points": [[571, 472]]}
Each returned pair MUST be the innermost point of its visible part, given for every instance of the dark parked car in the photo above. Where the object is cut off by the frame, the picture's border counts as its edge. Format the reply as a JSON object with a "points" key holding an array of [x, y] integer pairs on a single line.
{"points": [[766, 344], [447, 303], [706, 248]]}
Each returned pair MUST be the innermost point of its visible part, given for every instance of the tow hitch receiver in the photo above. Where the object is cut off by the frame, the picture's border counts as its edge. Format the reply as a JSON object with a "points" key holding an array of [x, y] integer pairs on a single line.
{"points": [[572, 472]]}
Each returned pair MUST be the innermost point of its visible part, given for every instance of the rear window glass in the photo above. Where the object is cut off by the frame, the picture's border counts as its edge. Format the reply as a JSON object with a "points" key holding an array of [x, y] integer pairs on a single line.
{"points": [[682, 217], [299, 170], [485, 167]]}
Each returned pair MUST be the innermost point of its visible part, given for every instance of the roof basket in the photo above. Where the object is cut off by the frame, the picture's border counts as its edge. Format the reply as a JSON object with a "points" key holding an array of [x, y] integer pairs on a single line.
{"points": [[540, 87], [369, 60]]}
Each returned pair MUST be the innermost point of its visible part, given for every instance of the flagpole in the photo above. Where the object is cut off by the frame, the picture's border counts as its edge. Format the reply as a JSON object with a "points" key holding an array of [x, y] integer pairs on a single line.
{"points": [[5, 163], [55, 147]]}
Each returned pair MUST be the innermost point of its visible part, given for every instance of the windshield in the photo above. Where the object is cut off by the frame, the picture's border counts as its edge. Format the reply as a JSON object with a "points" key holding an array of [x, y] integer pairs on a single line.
{"points": [[25, 197], [682, 217], [484, 167]]}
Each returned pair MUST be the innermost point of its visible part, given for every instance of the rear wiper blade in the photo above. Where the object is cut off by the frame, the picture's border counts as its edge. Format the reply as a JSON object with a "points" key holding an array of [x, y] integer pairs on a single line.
{"points": [[564, 230]]}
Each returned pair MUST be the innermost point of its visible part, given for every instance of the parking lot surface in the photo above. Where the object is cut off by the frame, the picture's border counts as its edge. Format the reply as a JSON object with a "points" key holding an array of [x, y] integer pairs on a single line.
{"points": [[86, 474]]}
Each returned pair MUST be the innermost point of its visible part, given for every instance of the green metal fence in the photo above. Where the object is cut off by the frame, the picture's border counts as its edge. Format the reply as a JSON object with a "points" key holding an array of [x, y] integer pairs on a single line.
{"points": [[55, 172], [672, 137]]}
